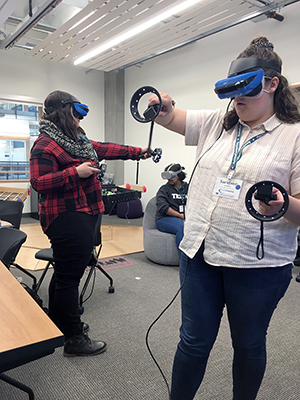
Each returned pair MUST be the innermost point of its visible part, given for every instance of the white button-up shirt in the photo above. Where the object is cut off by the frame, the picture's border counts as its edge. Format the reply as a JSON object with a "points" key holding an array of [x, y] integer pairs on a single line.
{"points": [[231, 234]]}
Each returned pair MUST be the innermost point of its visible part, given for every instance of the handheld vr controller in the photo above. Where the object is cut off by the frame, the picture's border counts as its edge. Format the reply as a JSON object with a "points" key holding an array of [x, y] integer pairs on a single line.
{"points": [[156, 154], [152, 112], [102, 169], [263, 191], [149, 115]]}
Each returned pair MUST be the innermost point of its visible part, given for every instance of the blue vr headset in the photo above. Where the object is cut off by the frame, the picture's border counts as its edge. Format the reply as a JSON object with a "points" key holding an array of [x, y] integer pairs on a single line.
{"points": [[248, 84], [79, 110], [241, 81]]}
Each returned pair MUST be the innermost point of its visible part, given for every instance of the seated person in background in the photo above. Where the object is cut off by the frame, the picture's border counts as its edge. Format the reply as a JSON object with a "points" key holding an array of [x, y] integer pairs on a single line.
{"points": [[170, 201]]}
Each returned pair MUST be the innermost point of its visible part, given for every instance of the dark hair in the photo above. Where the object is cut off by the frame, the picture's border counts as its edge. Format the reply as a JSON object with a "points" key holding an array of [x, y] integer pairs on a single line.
{"points": [[176, 167], [60, 114], [285, 104]]}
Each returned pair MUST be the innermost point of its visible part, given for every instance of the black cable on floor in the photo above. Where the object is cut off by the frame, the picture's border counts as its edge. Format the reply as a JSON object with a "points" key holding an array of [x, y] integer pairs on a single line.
{"points": [[154, 322]]}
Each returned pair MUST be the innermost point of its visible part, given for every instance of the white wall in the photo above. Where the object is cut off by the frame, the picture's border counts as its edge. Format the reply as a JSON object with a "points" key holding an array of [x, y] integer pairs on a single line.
{"points": [[189, 75], [26, 79]]}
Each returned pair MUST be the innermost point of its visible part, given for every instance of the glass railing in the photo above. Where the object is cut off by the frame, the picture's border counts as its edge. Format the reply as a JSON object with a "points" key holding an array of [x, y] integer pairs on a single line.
{"points": [[14, 170]]}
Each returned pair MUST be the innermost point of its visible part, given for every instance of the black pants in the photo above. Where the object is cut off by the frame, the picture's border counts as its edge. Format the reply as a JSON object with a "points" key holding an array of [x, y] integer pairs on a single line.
{"points": [[71, 236]]}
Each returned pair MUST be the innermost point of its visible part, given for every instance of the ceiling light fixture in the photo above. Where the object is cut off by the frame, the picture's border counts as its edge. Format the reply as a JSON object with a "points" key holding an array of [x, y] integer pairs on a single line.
{"points": [[29, 22], [82, 20], [136, 30]]}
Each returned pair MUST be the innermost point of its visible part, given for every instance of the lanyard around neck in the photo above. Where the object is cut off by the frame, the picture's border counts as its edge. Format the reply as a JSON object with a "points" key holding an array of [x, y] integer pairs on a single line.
{"points": [[238, 152], [181, 192]]}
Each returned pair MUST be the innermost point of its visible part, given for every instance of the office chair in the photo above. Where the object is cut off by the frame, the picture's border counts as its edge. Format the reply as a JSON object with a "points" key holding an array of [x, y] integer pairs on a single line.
{"points": [[47, 255], [93, 264], [11, 211], [11, 241]]}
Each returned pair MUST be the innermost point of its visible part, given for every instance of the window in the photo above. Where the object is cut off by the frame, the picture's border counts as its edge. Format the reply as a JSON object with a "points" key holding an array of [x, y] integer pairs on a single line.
{"points": [[18, 131]]}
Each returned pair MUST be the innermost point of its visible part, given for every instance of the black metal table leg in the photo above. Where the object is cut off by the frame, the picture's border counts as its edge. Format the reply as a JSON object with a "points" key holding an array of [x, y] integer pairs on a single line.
{"points": [[18, 385]]}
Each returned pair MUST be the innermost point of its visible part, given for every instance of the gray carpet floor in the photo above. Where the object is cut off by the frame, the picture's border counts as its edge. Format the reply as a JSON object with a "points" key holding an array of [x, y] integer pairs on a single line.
{"points": [[126, 370]]}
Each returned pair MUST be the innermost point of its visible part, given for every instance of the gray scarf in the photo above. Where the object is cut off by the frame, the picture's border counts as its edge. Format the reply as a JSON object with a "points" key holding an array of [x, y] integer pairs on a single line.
{"points": [[81, 148]]}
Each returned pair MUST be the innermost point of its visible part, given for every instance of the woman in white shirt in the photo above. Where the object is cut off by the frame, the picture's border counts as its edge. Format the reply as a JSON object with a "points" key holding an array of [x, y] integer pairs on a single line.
{"points": [[258, 139]]}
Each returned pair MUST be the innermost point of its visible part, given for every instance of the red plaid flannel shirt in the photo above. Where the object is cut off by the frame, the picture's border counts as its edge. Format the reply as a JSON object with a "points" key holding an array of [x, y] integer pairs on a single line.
{"points": [[54, 176]]}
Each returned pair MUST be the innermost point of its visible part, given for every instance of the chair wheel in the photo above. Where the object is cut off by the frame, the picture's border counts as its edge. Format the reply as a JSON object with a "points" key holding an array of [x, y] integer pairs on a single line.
{"points": [[111, 289]]}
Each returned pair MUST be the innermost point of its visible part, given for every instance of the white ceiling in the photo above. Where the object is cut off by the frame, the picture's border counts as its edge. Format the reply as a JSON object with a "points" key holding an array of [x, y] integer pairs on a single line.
{"points": [[64, 30]]}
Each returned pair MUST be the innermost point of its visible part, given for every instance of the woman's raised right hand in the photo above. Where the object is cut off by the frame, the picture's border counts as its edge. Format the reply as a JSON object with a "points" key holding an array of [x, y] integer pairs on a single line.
{"points": [[167, 104], [170, 117]]}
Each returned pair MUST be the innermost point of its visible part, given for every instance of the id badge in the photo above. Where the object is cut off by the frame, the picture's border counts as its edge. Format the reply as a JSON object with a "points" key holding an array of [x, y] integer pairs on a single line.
{"points": [[227, 188], [181, 209]]}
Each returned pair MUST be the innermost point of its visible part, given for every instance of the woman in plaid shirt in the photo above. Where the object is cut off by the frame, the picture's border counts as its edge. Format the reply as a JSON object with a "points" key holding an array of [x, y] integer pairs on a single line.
{"points": [[63, 170]]}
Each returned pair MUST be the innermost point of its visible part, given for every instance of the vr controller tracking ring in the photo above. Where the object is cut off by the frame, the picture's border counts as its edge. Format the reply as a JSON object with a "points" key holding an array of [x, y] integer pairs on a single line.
{"points": [[256, 214], [149, 115], [263, 192], [152, 112]]}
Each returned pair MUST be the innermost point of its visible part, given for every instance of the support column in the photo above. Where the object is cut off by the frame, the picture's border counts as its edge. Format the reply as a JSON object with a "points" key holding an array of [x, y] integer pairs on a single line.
{"points": [[114, 118]]}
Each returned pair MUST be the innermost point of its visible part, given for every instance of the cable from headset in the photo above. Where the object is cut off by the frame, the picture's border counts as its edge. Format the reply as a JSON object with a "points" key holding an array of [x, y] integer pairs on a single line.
{"points": [[154, 322], [210, 146], [202, 155], [185, 273]]}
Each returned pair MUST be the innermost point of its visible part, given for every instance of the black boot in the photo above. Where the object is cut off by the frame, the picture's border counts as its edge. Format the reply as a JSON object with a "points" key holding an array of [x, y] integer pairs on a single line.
{"points": [[82, 345]]}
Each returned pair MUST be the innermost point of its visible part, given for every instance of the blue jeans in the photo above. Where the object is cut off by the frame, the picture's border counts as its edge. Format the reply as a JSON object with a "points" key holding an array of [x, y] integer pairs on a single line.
{"points": [[250, 296], [172, 225]]}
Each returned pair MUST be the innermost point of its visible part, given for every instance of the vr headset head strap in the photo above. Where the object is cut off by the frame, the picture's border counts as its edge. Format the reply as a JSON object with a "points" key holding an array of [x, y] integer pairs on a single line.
{"points": [[79, 110], [241, 65], [58, 104]]}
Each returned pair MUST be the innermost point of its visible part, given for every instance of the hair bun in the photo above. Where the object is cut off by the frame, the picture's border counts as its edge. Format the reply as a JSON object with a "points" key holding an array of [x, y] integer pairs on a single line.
{"points": [[263, 42]]}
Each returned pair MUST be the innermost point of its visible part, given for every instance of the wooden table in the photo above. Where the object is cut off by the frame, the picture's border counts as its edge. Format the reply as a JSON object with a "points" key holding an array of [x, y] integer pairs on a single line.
{"points": [[26, 332]]}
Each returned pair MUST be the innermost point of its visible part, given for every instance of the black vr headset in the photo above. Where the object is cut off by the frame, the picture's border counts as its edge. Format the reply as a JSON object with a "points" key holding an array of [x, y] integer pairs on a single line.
{"points": [[79, 110], [245, 77]]}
